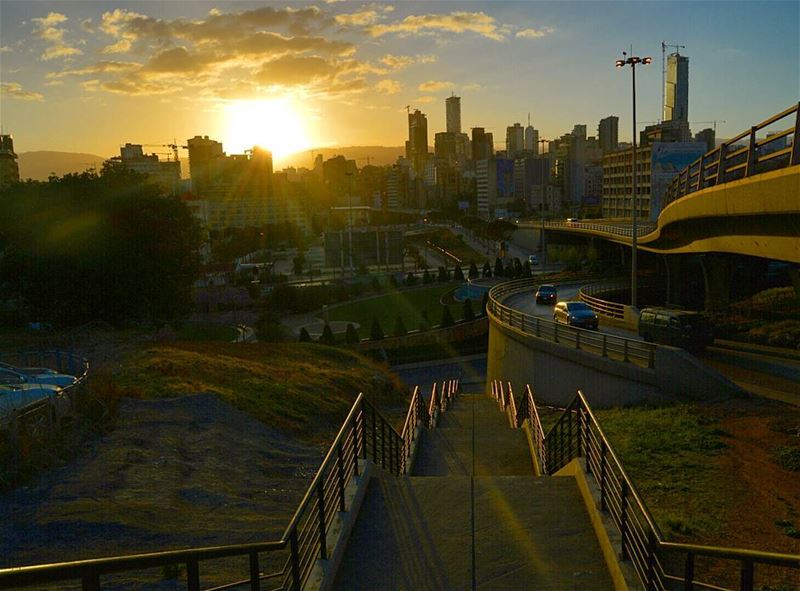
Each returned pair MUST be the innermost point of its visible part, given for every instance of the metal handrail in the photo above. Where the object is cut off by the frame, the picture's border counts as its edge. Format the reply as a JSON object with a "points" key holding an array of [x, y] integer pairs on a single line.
{"points": [[365, 433], [578, 434], [642, 229], [602, 307], [741, 162], [604, 344]]}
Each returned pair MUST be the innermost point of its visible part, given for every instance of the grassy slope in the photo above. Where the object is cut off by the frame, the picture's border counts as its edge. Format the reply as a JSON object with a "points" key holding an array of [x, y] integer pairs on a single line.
{"points": [[408, 304], [289, 386], [206, 332]]}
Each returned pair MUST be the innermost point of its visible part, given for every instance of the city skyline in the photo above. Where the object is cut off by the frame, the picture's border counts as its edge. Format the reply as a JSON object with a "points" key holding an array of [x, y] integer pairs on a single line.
{"points": [[342, 73]]}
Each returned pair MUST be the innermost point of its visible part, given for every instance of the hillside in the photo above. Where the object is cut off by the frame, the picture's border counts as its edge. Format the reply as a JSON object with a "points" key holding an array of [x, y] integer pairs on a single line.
{"points": [[379, 155], [40, 164]]}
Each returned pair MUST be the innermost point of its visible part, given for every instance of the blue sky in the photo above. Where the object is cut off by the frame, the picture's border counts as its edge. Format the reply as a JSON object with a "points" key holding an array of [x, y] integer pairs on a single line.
{"points": [[149, 71]]}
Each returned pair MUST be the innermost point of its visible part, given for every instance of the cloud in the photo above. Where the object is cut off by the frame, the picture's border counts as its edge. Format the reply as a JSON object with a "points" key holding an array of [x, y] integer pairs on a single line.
{"points": [[368, 15], [295, 71], [469, 87], [388, 86], [454, 22], [534, 33], [5, 49], [424, 99], [13, 90], [47, 28], [401, 62], [434, 86]]}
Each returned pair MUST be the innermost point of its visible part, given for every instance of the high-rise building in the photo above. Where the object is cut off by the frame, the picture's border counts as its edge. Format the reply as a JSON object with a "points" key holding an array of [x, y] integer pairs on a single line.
{"points": [[453, 108], [515, 141], [482, 148], [166, 174], [202, 152], [708, 137], [9, 170], [608, 133], [531, 138], [676, 91], [417, 144]]}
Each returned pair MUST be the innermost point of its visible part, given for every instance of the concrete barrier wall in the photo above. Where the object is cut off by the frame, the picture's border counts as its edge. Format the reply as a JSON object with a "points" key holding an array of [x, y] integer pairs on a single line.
{"points": [[556, 372]]}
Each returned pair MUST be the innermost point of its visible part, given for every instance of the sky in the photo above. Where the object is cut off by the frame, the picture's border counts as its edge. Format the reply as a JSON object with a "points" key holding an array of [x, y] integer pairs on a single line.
{"points": [[89, 76]]}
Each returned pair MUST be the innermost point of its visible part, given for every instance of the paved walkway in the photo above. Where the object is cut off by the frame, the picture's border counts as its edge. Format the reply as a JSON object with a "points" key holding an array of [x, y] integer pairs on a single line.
{"points": [[473, 516]]}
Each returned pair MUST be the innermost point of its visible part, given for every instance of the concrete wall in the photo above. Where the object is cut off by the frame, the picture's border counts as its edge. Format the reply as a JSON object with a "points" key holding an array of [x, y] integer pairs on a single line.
{"points": [[556, 372]]}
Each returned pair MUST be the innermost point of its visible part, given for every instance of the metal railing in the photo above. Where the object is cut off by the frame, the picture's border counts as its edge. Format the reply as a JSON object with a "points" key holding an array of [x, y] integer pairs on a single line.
{"points": [[602, 307], [365, 434], [607, 345], [642, 229], [729, 162], [660, 565]]}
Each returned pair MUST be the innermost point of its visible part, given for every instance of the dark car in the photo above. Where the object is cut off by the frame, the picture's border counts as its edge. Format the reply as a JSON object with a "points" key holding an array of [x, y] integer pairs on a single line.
{"points": [[680, 328], [546, 294], [575, 314]]}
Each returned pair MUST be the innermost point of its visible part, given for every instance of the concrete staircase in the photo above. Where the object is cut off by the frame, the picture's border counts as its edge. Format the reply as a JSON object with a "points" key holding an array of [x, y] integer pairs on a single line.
{"points": [[473, 516]]}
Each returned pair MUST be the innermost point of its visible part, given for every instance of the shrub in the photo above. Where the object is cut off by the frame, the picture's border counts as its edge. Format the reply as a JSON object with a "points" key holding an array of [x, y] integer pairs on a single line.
{"points": [[427, 278], [458, 274], [473, 270], [327, 338], [789, 457], [484, 302], [304, 336], [400, 327], [376, 332], [526, 269], [376, 285], [351, 334], [487, 269], [447, 318], [411, 279], [444, 275], [269, 329], [392, 280], [468, 313], [498, 267]]}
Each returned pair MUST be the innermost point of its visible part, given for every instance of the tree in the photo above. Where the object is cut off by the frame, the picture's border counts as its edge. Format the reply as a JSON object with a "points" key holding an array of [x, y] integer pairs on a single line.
{"points": [[458, 274], [400, 327], [517, 268], [376, 332], [411, 279], [304, 336], [447, 318], [498, 267], [444, 275], [327, 338], [526, 269], [351, 335], [487, 269], [298, 263], [473, 270], [269, 328], [468, 313], [426, 278]]}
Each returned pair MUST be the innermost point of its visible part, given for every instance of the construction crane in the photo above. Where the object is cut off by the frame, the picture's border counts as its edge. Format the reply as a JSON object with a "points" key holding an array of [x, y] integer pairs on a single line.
{"points": [[712, 122], [664, 46], [174, 147]]}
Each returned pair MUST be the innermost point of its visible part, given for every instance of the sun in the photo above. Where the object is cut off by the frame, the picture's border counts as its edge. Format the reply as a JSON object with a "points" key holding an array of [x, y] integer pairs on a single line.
{"points": [[274, 124]]}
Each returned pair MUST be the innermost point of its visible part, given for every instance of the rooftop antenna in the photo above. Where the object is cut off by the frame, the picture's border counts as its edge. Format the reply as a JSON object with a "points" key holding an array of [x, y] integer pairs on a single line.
{"points": [[529, 119]]}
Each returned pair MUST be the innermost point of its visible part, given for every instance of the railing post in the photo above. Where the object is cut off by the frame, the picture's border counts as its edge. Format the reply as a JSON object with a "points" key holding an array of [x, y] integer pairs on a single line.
{"points": [[293, 547], [569, 435], [723, 152], [364, 430], [688, 572], [651, 358], [323, 538], [603, 475], [383, 444], [255, 575], [391, 454], [192, 575], [340, 466], [577, 339], [625, 350], [623, 519], [605, 345], [747, 575], [538, 333], [795, 157], [700, 172], [356, 447], [587, 441], [750, 169], [522, 322], [90, 582], [555, 331], [374, 437]]}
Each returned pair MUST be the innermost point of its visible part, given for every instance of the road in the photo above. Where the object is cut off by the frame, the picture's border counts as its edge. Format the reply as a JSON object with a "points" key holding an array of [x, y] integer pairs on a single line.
{"points": [[757, 372]]}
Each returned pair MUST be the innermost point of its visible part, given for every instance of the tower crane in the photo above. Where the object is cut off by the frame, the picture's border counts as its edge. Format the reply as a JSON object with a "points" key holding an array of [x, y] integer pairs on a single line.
{"points": [[712, 122], [173, 146], [664, 46]]}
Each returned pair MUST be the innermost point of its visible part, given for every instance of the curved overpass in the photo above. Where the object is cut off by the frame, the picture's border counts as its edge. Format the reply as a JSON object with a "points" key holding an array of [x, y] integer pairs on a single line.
{"points": [[746, 201]]}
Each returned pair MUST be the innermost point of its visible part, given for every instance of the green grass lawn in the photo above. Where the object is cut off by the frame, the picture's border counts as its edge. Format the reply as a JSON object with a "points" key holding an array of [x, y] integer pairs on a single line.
{"points": [[206, 332], [410, 305]]}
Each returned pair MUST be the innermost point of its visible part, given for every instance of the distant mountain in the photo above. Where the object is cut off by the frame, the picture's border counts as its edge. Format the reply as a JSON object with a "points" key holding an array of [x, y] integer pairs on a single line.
{"points": [[378, 155], [39, 165]]}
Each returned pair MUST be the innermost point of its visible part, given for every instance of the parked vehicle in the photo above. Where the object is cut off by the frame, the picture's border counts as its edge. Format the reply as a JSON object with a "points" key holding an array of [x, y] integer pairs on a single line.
{"points": [[18, 396], [679, 328], [13, 375], [546, 294], [533, 259], [573, 220], [576, 314]]}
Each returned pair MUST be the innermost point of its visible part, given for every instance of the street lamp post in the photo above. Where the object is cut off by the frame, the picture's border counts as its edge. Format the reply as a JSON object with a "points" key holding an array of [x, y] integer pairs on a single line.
{"points": [[350, 217], [632, 61]]}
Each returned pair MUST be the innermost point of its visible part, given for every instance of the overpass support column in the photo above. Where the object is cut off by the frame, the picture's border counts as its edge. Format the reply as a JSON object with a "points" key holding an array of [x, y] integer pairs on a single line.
{"points": [[674, 278], [717, 276]]}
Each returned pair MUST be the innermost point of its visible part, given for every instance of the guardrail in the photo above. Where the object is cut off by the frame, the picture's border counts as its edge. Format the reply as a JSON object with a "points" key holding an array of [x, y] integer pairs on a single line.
{"points": [[607, 345], [660, 565], [643, 228], [365, 434], [727, 162], [602, 307]]}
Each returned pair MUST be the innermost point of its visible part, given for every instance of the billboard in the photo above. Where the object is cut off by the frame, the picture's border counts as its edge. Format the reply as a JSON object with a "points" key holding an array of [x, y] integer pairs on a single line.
{"points": [[667, 160]]}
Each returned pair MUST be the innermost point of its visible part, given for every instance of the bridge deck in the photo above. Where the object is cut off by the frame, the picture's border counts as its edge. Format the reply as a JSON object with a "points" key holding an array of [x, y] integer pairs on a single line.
{"points": [[473, 519]]}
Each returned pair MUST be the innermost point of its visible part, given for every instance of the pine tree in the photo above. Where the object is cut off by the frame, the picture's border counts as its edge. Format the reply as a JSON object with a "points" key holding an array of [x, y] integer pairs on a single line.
{"points": [[468, 313], [304, 336], [447, 318], [327, 338], [376, 332], [400, 327], [426, 278], [487, 269], [458, 274], [498, 267], [351, 335], [485, 302], [473, 270]]}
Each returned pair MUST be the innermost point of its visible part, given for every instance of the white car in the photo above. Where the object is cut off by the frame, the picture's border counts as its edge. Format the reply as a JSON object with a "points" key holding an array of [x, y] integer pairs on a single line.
{"points": [[533, 259], [18, 396], [11, 375]]}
